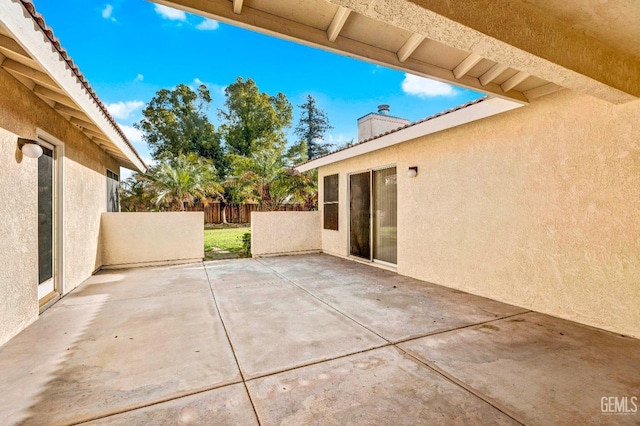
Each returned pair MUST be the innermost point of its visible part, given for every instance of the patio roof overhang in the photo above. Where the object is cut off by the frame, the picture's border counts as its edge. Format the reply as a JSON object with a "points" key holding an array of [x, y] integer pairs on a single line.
{"points": [[505, 48], [472, 111], [30, 52]]}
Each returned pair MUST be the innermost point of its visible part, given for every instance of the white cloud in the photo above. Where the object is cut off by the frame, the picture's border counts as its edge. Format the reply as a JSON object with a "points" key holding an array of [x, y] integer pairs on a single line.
{"points": [[426, 88], [134, 135], [107, 12], [214, 89], [170, 13], [207, 24], [139, 77], [123, 110]]}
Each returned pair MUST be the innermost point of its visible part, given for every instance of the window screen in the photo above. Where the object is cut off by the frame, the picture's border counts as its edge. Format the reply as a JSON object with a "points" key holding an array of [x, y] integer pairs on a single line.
{"points": [[113, 193], [330, 202]]}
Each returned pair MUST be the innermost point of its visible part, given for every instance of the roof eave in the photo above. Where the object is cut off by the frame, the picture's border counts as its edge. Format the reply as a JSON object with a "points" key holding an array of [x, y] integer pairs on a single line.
{"points": [[474, 112], [29, 33]]}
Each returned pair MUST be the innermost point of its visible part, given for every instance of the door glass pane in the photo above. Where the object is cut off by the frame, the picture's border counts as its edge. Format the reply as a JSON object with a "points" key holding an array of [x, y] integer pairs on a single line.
{"points": [[360, 217], [385, 241], [45, 215]]}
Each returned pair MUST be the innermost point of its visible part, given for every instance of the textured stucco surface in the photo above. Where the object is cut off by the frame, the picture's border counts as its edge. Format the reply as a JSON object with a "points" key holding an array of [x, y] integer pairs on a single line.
{"points": [[130, 239], [285, 232], [538, 207], [84, 198], [522, 36]]}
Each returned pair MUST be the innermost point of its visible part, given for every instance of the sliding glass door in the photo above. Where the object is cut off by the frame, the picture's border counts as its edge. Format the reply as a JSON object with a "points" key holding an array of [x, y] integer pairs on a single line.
{"points": [[360, 215], [373, 215], [385, 217]]}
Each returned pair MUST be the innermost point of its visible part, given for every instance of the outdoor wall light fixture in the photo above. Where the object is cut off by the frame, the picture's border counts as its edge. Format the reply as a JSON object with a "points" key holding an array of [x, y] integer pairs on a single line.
{"points": [[30, 148], [413, 172]]}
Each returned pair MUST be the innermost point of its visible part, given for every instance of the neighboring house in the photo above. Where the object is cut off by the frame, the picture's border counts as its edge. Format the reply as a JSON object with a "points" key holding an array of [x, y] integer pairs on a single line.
{"points": [[51, 206], [535, 205]]}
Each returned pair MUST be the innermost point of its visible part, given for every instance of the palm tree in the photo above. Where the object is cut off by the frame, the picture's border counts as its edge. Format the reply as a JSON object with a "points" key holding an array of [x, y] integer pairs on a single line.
{"points": [[262, 175], [184, 180]]}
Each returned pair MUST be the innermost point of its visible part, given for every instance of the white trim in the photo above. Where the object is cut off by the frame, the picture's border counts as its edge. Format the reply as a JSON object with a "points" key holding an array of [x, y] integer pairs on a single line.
{"points": [[59, 148], [24, 30], [486, 108]]}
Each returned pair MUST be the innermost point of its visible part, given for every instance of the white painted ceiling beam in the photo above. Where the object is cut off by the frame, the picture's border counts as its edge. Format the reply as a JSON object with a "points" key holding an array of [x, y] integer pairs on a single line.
{"points": [[35, 75], [54, 96], [514, 81], [237, 6], [339, 19], [541, 91], [465, 66], [73, 112], [11, 45], [492, 74], [256, 20], [410, 46]]}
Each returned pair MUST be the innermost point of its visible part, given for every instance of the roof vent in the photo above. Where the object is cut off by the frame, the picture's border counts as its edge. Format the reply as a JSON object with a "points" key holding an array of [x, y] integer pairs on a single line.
{"points": [[383, 109]]}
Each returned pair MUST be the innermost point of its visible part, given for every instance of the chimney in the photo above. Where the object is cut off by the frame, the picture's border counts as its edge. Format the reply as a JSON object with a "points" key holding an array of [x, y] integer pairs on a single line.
{"points": [[375, 124]]}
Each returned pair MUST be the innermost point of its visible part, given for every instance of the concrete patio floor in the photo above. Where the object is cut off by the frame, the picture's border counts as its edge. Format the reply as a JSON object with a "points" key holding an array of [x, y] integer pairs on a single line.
{"points": [[304, 340]]}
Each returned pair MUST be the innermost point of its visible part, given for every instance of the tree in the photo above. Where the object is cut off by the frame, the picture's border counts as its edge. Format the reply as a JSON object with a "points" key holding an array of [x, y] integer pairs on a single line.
{"points": [[253, 117], [184, 179], [175, 122], [262, 176], [312, 127]]}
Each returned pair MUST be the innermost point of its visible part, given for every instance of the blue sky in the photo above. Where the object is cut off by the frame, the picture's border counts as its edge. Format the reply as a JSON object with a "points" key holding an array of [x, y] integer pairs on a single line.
{"points": [[129, 49]]}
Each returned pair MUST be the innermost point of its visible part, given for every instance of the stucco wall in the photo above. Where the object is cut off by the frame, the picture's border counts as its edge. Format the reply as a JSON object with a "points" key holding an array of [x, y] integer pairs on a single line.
{"points": [[84, 198], [538, 207], [136, 239], [285, 233]]}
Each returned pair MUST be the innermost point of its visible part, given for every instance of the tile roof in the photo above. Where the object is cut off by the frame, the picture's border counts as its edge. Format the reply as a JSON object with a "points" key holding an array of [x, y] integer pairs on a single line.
{"points": [[39, 20], [431, 117]]}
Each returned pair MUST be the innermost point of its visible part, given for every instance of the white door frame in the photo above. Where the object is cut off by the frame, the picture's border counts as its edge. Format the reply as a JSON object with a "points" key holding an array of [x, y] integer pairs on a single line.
{"points": [[49, 140]]}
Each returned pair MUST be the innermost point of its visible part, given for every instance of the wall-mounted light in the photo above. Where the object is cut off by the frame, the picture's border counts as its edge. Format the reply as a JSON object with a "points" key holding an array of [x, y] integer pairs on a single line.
{"points": [[30, 148], [412, 172]]}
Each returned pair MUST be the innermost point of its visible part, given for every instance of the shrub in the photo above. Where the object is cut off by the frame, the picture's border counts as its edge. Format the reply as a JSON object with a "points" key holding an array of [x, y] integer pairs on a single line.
{"points": [[246, 243]]}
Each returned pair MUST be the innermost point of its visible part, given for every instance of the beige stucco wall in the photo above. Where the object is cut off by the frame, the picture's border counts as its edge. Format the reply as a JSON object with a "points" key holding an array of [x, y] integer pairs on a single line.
{"points": [[538, 207], [285, 233], [84, 198], [136, 239]]}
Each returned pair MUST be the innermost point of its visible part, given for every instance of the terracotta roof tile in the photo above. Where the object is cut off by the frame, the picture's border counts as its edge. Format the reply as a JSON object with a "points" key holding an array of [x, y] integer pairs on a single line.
{"points": [[39, 20]]}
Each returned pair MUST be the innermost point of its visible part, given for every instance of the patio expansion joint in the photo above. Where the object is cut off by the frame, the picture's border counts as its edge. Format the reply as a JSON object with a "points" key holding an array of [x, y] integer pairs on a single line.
{"points": [[233, 350], [436, 370]]}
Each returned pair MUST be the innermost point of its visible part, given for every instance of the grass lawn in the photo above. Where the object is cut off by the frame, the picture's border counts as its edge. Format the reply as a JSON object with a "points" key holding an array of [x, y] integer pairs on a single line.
{"points": [[226, 238]]}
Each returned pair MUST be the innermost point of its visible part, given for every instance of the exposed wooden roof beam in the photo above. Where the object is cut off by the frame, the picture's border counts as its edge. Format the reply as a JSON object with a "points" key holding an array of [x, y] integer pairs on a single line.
{"points": [[514, 81], [337, 23], [86, 125], [410, 46], [35, 75], [237, 6], [7, 43], [492, 74], [54, 96], [256, 20], [541, 91], [465, 66], [70, 111]]}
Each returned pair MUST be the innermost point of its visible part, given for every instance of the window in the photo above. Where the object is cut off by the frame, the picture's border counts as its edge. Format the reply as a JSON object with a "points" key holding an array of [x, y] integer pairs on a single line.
{"points": [[113, 195], [330, 202]]}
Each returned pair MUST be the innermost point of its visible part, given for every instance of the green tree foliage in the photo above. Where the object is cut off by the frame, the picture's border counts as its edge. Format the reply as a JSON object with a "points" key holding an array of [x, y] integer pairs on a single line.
{"points": [[175, 122], [311, 128], [184, 179], [252, 117]]}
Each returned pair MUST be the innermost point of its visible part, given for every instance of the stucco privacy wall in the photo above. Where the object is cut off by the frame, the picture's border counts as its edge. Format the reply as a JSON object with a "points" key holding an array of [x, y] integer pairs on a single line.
{"points": [[137, 239], [85, 195], [538, 207], [285, 233]]}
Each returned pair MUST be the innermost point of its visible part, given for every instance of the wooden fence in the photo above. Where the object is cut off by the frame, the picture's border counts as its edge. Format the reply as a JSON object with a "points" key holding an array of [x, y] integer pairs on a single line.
{"points": [[236, 213]]}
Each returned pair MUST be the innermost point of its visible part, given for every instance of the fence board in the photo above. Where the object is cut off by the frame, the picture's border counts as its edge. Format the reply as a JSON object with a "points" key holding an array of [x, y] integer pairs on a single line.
{"points": [[236, 213]]}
